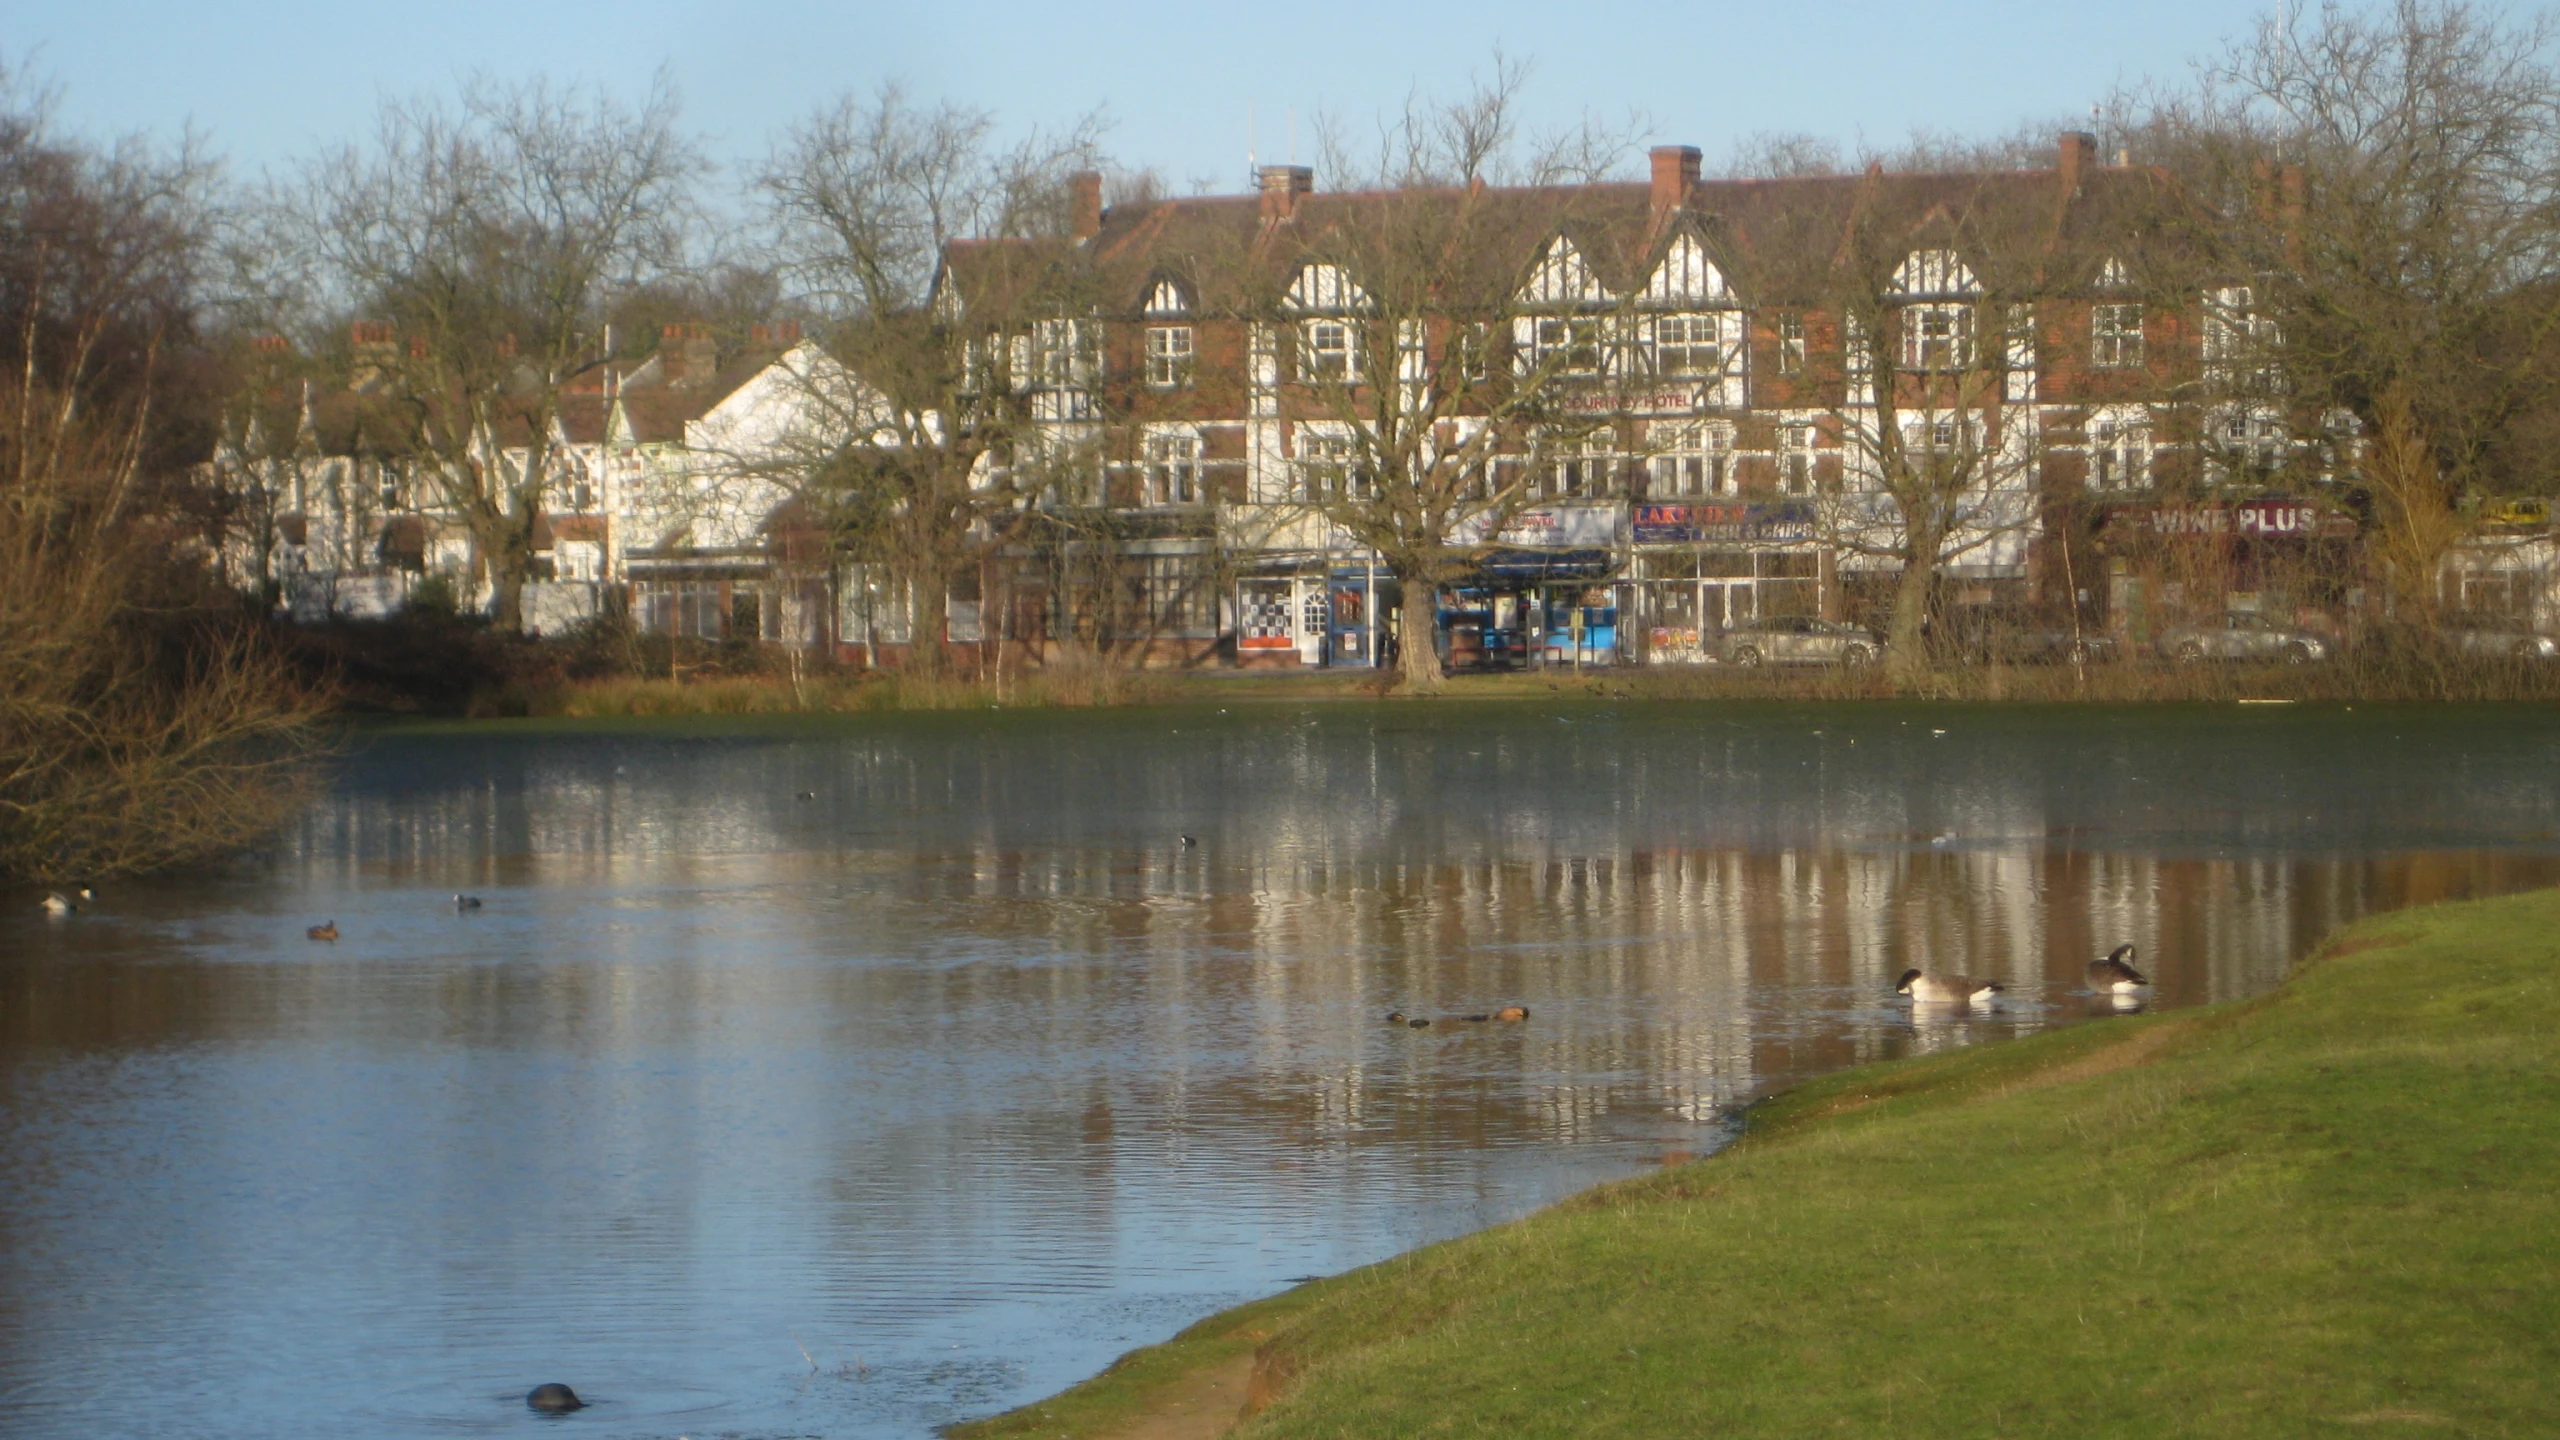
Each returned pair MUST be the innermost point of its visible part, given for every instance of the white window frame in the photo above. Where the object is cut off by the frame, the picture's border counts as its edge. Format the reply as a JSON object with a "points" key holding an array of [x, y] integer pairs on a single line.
{"points": [[1694, 461], [1169, 357], [1581, 342], [1577, 467], [1796, 452], [1689, 345], [2119, 452], [2115, 335], [1329, 350], [1937, 335], [1329, 468], [1172, 469], [1791, 348]]}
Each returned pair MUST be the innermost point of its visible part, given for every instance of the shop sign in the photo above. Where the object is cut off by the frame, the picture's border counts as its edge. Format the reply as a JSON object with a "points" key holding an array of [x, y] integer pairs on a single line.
{"points": [[1659, 400], [1562, 527], [2273, 518], [1765, 524]]}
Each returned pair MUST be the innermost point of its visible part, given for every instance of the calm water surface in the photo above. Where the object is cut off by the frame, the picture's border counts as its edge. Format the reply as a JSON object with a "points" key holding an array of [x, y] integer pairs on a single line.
{"points": [[852, 1079]]}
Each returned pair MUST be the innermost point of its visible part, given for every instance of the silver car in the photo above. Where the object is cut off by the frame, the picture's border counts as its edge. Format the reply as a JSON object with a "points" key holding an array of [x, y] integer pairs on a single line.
{"points": [[1796, 640], [2492, 638], [2241, 636]]}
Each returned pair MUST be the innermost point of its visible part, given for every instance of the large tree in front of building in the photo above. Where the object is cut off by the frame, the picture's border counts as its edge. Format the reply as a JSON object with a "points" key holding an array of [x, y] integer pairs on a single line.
{"points": [[2382, 186], [482, 242], [868, 199], [1925, 401], [1405, 320]]}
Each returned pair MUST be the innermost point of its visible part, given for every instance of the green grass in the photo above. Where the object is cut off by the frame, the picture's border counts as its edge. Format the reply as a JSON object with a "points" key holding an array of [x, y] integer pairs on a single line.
{"points": [[2329, 1211]]}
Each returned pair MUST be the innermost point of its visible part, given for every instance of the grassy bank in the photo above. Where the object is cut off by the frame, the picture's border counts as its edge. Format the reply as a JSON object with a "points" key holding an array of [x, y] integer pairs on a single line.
{"points": [[2329, 1211]]}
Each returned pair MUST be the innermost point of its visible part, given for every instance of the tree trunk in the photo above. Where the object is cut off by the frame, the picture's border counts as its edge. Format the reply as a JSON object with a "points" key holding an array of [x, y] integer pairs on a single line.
{"points": [[1417, 655], [929, 622], [1906, 644]]}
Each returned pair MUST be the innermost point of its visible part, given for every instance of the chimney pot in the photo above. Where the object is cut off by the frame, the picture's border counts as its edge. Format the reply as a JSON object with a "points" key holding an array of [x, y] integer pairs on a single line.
{"points": [[1084, 189], [1281, 187], [1675, 173]]}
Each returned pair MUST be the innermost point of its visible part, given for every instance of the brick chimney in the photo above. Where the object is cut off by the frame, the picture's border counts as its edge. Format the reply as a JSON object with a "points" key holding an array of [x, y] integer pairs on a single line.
{"points": [[1281, 187], [2079, 157], [686, 354], [1084, 192], [1675, 174]]}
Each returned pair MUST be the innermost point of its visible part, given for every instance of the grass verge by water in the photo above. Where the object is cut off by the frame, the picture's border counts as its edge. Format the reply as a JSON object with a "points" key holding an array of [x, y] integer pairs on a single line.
{"points": [[2328, 1211]]}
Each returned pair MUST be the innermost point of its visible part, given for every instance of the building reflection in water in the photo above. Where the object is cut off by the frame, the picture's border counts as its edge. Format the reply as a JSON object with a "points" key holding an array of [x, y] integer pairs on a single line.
{"points": [[940, 1047]]}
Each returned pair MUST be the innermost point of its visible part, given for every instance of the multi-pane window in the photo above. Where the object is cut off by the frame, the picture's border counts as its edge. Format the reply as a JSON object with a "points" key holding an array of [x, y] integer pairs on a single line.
{"points": [[1579, 464], [1173, 470], [1169, 356], [2119, 455], [1474, 346], [1331, 467], [2115, 337], [1937, 337], [1566, 345], [1932, 446], [1696, 460], [1178, 594], [1687, 345], [1330, 351], [1790, 344], [1795, 459], [1065, 352]]}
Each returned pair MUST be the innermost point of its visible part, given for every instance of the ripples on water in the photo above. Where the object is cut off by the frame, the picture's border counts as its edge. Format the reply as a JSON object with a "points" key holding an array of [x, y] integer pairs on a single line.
{"points": [[854, 1079]]}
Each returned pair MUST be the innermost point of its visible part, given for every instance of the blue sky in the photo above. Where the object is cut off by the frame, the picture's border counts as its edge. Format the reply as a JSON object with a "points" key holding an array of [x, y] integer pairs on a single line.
{"points": [[271, 79]]}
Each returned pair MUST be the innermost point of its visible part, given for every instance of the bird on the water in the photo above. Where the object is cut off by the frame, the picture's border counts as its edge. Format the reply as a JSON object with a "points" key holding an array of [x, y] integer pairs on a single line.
{"points": [[466, 902], [328, 932], [58, 905], [1946, 989], [2115, 974]]}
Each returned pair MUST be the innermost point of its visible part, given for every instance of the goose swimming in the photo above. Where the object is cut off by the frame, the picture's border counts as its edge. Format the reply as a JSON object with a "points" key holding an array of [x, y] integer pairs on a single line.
{"points": [[1946, 989], [2115, 975]]}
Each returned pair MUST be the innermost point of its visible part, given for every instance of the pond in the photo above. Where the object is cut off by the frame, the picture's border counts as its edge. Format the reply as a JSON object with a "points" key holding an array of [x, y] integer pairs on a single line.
{"points": [[853, 1077]]}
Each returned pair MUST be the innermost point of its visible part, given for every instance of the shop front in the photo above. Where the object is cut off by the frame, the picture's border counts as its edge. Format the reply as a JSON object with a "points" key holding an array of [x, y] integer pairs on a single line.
{"points": [[1701, 568], [1540, 593], [2296, 560]]}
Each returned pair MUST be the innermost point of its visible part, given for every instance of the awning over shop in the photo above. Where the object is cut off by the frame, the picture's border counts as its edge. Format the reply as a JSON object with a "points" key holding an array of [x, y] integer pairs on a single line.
{"points": [[1531, 566]]}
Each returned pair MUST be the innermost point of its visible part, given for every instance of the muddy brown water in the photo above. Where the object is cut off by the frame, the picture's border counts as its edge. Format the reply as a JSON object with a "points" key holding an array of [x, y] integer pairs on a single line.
{"points": [[852, 1078]]}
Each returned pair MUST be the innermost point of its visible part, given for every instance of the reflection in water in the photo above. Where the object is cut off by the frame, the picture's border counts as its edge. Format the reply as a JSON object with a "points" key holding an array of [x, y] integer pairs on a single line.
{"points": [[854, 1080]]}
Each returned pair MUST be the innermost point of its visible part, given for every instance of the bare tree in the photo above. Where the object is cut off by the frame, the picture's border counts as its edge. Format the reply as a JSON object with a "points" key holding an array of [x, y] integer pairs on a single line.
{"points": [[487, 238], [144, 721], [1924, 393], [868, 199], [1429, 350]]}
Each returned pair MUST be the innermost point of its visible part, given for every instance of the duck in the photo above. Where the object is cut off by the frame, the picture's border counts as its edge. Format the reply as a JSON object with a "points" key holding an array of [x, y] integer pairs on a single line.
{"points": [[328, 932], [58, 905], [553, 1399], [2115, 975], [466, 902], [1512, 1014], [1946, 989]]}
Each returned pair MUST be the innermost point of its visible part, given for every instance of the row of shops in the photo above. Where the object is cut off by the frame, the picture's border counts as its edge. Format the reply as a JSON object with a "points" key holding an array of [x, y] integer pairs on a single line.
{"points": [[1611, 585]]}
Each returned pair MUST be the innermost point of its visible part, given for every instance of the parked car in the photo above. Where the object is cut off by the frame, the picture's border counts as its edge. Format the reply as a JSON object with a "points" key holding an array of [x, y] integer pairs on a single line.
{"points": [[2494, 637], [2241, 636], [2029, 644], [1796, 640]]}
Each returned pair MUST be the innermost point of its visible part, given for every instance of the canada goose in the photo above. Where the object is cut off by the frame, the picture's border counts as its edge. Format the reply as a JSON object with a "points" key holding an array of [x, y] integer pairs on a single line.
{"points": [[58, 905], [1418, 1024], [466, 902], [1946, 989], [554, 1399], [328, 932], [1512, 1013], [2115, 975], [1475, 1019], [1395, 1017]]}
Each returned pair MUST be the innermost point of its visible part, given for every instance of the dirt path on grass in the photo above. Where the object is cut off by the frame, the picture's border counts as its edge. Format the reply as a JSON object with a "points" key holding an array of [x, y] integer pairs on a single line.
{"points": [[1202, 1405]]}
